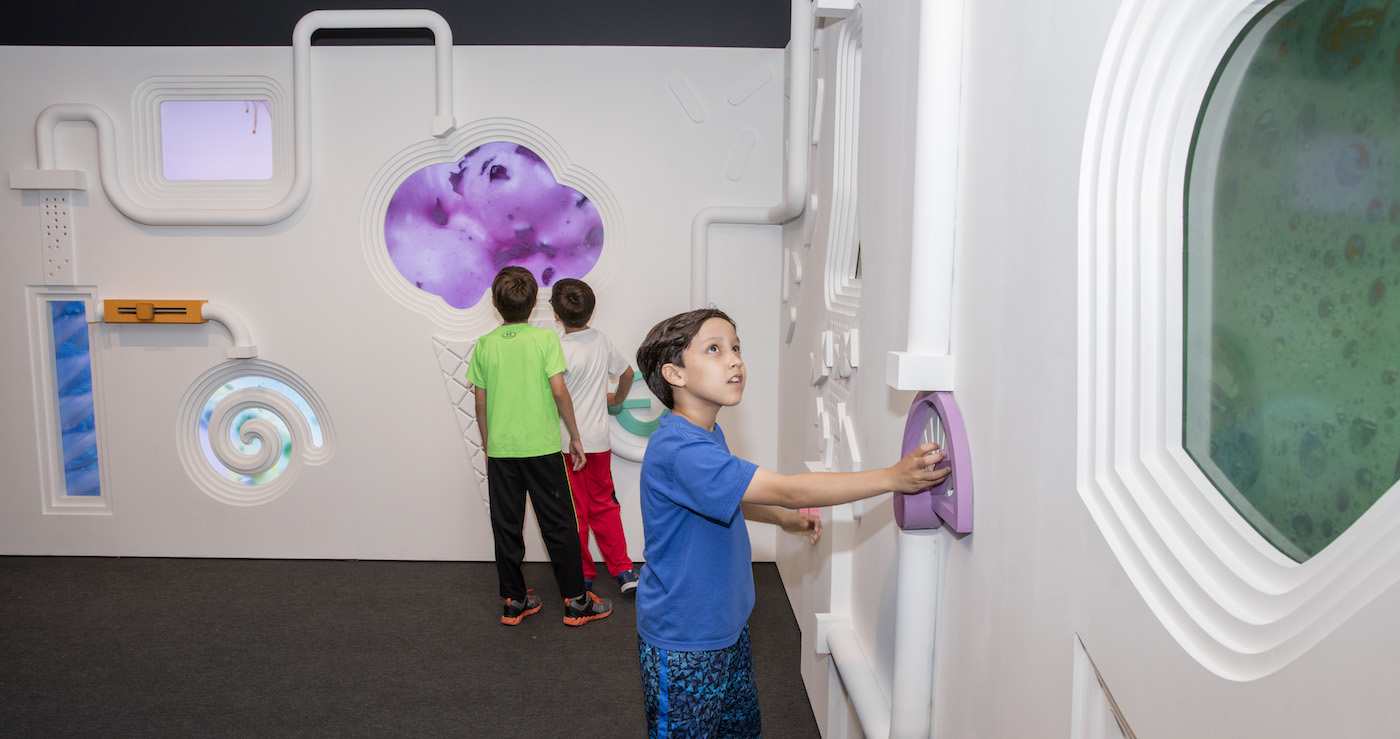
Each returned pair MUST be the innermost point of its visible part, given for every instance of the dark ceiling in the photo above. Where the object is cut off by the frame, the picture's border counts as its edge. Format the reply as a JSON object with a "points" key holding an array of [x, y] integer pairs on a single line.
{"points": [[735, 23]]}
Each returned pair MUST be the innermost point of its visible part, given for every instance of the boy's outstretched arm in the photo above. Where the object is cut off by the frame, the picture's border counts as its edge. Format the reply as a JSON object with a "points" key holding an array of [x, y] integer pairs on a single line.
{"points": [[818, 489], [565, 404], [624, 386], [480, 393], [793, 522]]}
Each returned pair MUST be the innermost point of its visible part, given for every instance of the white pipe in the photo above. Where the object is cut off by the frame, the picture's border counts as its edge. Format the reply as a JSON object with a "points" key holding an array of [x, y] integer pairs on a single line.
{"points": [[243, 347], [443, 122], [935, 176], [915, 616], [861, 686], [796, 174], [109, 173], [909, 713], [927, 363]]}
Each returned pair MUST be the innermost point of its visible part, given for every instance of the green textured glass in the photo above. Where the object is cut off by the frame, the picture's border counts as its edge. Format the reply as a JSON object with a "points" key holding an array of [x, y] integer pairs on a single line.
{"points": [[1292, 260]]}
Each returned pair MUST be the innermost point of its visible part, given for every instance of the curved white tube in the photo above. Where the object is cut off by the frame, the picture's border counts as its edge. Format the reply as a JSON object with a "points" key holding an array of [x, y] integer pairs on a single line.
{"points": [[909, 712], [243, 347], [799, 141], [109, 172], [443, 122]]}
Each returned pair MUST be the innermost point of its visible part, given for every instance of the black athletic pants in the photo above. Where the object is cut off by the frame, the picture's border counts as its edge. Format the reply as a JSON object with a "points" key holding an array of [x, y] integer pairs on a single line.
{"points": [[547, 481]]}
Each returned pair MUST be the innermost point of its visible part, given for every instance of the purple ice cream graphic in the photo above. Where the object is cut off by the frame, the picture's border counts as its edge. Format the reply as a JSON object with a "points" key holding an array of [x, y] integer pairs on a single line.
{"points": [[451, 227]]}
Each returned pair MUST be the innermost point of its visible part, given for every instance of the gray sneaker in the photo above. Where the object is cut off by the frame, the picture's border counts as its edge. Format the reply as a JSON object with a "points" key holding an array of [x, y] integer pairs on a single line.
{"points": [[588, 607], [516, 610]]}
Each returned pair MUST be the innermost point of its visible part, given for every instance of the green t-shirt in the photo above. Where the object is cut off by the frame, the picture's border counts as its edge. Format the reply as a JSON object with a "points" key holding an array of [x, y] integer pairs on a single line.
{"points": [[514, 364]]}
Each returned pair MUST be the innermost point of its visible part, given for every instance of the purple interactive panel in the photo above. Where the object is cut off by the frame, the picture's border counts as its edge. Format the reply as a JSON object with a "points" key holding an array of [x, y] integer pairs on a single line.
{"points": [[950, 501]]}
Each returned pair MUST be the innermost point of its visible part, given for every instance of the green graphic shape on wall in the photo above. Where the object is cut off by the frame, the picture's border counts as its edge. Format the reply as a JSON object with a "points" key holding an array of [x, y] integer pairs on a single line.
{"points": [[628, 420]]}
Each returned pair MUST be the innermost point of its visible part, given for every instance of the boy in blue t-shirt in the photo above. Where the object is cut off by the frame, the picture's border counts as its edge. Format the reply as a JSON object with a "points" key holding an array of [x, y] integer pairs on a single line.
{"points": [[696, 589]]}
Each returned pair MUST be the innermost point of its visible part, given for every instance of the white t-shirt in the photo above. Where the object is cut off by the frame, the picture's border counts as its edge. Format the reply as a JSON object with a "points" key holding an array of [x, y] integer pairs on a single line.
{"points": [[593, 363]]}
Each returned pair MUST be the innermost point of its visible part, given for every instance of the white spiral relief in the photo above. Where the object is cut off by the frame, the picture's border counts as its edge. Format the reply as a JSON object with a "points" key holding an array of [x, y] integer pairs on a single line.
{"points": [[245, 429]]}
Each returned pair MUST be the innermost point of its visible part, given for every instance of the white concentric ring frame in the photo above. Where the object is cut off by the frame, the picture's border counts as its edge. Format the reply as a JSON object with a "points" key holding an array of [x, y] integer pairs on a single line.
{"points": [[469, 323], [1233, 601]]}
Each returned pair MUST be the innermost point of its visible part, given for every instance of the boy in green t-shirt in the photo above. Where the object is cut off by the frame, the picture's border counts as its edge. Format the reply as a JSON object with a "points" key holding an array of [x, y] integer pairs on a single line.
{"points": [[517, 371]]}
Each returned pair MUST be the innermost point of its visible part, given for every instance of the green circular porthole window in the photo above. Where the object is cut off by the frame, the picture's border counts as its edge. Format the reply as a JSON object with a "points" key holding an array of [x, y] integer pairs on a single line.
{"points": [[1292, 271]]}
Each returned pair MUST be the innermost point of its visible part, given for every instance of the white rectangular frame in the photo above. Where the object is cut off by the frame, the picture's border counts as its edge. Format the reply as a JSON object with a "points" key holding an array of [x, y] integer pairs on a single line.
{"points": [[52, 482], [147, 169]]}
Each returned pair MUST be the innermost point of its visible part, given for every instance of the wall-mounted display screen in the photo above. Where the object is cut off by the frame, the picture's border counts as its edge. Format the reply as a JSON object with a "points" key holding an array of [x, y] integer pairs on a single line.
{"points": [[450, 227], [216, 139]]}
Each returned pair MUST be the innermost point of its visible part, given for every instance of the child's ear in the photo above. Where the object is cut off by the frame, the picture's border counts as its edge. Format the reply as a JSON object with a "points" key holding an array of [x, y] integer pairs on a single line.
{"points": [[673, 375]]}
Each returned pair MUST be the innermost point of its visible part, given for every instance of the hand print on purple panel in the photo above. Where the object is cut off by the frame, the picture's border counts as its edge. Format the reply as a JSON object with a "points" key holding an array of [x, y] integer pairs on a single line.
{"points": [[451, 227]]}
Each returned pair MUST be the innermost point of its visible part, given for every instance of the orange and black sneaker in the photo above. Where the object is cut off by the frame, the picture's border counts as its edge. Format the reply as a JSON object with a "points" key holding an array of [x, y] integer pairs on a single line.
{"points": [[517, 610], [587, 607]]}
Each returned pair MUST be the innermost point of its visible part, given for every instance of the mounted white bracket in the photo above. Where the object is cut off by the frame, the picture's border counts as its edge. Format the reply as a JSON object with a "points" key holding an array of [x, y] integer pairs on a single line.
{"points": [[825, 623], [835, 8], [918, 371], [48, 179]]}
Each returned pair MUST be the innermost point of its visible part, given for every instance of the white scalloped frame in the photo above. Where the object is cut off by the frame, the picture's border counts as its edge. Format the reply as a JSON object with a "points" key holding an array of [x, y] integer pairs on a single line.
{"points": [[1233, 601], [305, 451], [480, 318]]}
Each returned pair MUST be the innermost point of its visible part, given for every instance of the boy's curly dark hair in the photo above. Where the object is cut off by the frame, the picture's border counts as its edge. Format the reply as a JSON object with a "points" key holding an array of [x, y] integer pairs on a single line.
{"points": [[573, 301], [513, 292], [666, 343]]}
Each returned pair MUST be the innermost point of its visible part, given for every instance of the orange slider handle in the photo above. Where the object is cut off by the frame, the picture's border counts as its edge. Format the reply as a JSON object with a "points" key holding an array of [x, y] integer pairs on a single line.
{"points": [[153, 311]]}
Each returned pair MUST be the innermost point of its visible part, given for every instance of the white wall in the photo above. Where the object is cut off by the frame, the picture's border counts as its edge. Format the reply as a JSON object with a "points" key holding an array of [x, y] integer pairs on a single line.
{"points": [[1036, 571], [398, 483]]}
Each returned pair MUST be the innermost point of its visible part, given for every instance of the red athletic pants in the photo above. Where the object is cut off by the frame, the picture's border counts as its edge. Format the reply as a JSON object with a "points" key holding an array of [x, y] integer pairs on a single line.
{"points": [[595, 502]]}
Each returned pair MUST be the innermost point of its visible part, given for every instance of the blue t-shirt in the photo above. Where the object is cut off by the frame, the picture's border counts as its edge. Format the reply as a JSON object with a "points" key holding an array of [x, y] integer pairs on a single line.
{"points": [[696, 589]]}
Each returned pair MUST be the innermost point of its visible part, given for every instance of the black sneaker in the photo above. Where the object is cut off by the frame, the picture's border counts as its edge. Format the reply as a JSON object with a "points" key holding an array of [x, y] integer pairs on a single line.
{"points": [[517, 610], [588, 607]]}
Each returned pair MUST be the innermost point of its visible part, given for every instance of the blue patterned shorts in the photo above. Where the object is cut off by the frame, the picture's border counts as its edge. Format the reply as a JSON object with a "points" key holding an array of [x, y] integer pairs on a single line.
{"points": [[700, 695]]}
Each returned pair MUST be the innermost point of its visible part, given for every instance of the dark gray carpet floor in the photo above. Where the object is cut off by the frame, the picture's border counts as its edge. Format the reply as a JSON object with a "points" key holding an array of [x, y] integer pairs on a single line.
{"points": [[138, 647]]}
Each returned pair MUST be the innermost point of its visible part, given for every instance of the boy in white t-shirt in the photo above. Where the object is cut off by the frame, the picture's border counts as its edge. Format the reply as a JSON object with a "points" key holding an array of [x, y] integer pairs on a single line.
{"points": [[593, 363]]}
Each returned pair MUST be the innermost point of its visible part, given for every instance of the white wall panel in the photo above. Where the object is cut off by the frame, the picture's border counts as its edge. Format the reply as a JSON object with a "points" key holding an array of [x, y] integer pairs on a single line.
{"points": [[1036, 571], [398, 483]]}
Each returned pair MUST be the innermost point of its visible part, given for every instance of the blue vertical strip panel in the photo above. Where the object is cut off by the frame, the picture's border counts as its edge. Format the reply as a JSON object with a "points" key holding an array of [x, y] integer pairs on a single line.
{"points": [[77, 414]]}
